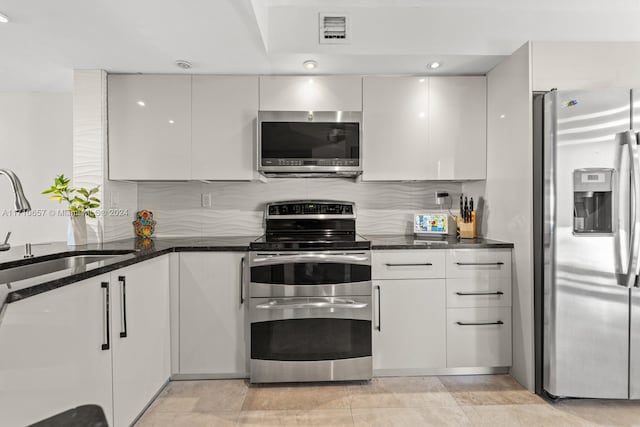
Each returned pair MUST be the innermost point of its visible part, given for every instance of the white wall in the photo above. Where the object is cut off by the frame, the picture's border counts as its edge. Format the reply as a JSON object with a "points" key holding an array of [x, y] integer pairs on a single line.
{"points": [[508, 213], [585, 65], [36, 143]]}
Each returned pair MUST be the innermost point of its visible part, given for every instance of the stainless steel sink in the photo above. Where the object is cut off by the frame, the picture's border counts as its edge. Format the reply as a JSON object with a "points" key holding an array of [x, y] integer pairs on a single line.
{"points": [[51, 266]]}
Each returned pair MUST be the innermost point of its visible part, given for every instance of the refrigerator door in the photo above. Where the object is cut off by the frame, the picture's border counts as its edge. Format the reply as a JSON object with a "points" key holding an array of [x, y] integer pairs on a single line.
{"points": [[586, 340], [634, 339]]}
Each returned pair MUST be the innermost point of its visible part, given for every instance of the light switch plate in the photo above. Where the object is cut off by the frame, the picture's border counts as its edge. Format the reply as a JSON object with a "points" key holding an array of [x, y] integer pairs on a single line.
{"points": [[206, 200]]}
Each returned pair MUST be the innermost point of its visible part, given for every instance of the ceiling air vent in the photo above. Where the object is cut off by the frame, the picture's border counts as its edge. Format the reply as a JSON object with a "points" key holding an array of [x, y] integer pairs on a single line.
{"points": [[334, 28]]}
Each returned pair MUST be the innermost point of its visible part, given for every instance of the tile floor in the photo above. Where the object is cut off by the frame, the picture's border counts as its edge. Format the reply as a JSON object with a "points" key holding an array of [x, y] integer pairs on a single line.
{"points": [[483, 400]]}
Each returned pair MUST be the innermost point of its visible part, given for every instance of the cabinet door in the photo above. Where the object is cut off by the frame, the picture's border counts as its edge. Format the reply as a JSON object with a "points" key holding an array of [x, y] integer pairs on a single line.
{"points": [[141, 344], [411, 317], [52, 358], [458, 127], [395, 129], [149, 127], [311, 93], [212, 316], [224, 113], [478, 337]]}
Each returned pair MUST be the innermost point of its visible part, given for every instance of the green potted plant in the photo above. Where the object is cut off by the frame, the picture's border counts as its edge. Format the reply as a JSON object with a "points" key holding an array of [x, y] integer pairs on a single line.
{"points": [[80, 201]]}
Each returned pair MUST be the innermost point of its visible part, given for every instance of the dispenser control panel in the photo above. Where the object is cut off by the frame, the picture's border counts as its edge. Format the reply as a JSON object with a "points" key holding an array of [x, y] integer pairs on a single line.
{"points": [[592, 201]]}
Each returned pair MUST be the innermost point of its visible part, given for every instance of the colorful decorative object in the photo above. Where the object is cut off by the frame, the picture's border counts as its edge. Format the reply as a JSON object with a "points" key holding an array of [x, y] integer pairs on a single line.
{"points": [[145, 244], [144, 224]]}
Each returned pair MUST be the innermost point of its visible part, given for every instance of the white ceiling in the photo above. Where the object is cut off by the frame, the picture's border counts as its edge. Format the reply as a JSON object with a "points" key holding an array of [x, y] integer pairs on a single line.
{"points": [[47, 39]]}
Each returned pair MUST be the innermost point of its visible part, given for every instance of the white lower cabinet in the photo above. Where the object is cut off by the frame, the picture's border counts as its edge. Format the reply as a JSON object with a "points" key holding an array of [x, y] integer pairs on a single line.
{"points": [[63, 348], [141, 341], [409, 324], [439, 310], [212, 315], [478, 337], [51, 353]]}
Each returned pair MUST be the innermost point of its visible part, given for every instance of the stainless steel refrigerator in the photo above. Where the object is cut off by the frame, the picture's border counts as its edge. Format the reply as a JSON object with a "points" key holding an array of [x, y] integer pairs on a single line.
{"points": [[589, 301]]}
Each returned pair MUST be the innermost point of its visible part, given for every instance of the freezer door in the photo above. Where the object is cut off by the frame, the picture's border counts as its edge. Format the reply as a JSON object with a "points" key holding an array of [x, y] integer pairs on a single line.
{"points": [[634, 339], [586, 341]]}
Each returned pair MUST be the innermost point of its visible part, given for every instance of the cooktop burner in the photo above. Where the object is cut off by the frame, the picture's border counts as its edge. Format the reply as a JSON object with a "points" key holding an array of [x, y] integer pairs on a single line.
{"points": [[309, 225]]}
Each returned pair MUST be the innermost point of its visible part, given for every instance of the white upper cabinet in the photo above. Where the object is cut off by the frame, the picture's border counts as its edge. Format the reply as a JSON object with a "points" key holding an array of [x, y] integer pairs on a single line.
{"points": [[224, 114], [311, 93], [458, 127], [149, 127], [424, 128], [395, 129]]}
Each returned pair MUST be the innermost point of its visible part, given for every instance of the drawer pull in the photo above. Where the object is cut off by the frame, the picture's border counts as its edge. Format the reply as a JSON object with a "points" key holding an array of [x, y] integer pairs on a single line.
{"points": [[464, 294], [499, 322], [480, 263], [426, 264]]}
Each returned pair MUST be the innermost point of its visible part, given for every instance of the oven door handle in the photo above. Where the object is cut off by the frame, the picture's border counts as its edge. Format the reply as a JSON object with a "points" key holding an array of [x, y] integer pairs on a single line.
{"points": [[279, 304], [319, 257]]}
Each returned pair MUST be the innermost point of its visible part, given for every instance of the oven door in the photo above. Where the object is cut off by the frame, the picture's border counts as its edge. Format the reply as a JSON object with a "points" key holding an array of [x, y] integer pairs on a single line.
{"points": [[310, 273], [310, 338]]}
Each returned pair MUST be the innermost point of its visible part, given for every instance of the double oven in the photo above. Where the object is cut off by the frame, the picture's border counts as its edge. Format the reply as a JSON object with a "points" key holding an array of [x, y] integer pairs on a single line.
{"points": [[310, 305]]}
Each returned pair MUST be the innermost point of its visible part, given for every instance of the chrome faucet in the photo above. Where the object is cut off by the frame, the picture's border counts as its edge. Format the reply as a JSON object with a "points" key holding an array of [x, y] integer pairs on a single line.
{"points": [[21, 203]]}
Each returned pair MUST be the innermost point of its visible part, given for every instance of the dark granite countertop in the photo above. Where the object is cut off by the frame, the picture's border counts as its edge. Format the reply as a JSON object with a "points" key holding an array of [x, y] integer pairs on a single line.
{"points": [[409, 241], [130, 251]]}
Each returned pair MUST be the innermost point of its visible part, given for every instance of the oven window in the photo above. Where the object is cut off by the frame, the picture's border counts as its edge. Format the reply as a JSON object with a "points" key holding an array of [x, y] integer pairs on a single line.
{"points": [[317, 140], [310, 273], [310, 339]]}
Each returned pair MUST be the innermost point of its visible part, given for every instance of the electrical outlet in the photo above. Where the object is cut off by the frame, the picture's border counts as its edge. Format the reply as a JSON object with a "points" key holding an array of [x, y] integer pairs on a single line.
{"points": [[441, 196], [114, 199], [206, 200]]}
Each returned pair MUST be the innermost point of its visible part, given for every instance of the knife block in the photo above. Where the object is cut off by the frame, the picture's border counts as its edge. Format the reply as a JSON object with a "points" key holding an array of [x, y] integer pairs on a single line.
{"points": [[466, 230]]}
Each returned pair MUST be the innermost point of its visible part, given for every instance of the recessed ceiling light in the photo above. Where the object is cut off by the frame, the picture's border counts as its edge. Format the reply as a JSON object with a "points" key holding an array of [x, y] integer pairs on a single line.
{"points": [[171, 121], [141, 103], [185, 65], [421, 80], [434, 65], [4, 18], [310, 64]]}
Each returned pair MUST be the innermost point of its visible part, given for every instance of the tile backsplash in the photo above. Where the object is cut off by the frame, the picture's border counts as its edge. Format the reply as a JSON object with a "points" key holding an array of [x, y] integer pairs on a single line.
{"points": [[237, 207]]}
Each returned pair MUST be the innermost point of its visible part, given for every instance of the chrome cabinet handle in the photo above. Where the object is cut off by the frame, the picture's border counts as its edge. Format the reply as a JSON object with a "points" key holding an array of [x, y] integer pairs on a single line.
{"points": [[499, 322], [242, 281], [105, 316], [425, 264], [339, 258], [311, 303], [123, 310], [464, 294], [379, 327]]}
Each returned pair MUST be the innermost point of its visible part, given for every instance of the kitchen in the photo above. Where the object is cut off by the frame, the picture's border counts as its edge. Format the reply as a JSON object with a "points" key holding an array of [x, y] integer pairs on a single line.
{"points": [[453, 132]]}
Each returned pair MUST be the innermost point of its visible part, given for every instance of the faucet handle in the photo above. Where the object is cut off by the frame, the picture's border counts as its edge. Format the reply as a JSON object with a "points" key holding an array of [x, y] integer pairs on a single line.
{"points": [[5, 246], [27, 250]]}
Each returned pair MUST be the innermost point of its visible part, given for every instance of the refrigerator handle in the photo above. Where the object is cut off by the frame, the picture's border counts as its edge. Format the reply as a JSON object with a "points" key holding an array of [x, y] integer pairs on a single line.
{"points": [[630, 139]]}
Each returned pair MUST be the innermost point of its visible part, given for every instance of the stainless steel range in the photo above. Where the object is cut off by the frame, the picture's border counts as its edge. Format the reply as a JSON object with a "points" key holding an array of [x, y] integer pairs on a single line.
{"points": [[310, 295]]}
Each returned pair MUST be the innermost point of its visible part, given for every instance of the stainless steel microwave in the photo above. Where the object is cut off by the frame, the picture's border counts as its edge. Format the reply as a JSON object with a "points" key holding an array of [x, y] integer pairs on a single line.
{"points": [[309, 143]]}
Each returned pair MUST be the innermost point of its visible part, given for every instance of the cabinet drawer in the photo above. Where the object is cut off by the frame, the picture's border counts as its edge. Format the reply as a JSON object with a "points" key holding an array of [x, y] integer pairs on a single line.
{"points": [[409, 264], [478, 337], [479, 263], [482, 292]]}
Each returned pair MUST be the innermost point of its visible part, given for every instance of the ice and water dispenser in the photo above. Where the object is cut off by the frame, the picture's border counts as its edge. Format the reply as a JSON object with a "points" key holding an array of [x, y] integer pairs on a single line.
{"points": [[593, 201]]}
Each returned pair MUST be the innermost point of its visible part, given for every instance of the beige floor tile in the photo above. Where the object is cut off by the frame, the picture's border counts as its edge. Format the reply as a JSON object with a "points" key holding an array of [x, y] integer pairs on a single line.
{"points": [[173, 404], [410, 417], [197, 419], [521, 415], [602, 412], [308, 397], [155, 419], [318, 418], [398, 392], [488, 390]]}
